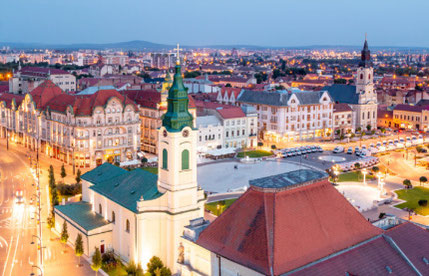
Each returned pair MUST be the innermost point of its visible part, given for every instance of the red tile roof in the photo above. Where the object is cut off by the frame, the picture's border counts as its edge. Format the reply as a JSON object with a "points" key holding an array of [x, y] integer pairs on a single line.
{"points": [[370, 258], [149, 98], [229, 91], [342, 107], [47, 94], [281, 231], [231, 112], [414, 242], [9, 97], [412, 108]]}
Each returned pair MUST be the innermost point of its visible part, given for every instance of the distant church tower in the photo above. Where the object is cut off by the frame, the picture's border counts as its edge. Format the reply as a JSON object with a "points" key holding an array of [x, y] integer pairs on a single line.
{"points": [[166, 85], [367, 111], [177, 165]]}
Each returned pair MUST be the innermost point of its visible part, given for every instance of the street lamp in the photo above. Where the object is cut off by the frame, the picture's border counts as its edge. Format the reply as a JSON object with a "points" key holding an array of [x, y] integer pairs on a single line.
{"points": [[364, 172], [380, 183]]}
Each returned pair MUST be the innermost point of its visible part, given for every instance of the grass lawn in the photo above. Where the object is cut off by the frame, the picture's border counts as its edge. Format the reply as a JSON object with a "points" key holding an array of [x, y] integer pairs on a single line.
{"points": [[118, 271], [150, 169], [412, 198], [212, 206], [254, 153], [353, 177]]}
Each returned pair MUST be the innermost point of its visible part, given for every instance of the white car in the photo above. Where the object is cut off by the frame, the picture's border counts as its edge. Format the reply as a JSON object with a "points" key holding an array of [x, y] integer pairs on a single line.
{"points": [[338, 150]]}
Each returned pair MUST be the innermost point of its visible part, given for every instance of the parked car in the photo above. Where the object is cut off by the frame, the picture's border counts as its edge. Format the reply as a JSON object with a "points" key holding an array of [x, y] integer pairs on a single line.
{"points": [[350, 150], [338, 149]]}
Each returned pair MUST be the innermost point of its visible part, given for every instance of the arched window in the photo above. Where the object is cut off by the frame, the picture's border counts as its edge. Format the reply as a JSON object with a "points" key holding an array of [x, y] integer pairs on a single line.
{"points": [[185, 159], [369, 76], [100, 209], [113, 217], [164, 159], [361, 76], [127, 226]]}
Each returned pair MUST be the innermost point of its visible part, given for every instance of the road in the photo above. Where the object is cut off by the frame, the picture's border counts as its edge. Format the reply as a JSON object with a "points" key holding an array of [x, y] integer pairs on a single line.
{"points": [[18, 221]]}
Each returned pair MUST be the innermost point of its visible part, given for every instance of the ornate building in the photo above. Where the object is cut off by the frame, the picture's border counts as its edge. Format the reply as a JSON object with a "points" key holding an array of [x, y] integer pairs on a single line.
{"points": [[93, 129], [136, 213], [362, 97]]}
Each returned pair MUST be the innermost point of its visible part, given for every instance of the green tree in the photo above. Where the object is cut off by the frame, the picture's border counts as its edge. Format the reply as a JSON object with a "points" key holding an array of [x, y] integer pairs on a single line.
{"points": [[54, 197], [51, 177], [156, 267], [78, 246], [64, 234], [63, 172], [368, 127], [423, 202], [96, 260], [375, 169], [423, 179], [407, 183], [228, 85], [78, 175], [51, 221], [134, 269]]}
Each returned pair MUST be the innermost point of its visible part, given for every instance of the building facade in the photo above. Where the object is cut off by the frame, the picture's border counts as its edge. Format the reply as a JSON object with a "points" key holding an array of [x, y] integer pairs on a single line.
{"points": [[28, 78], [291, 116], [411, 117], [84, 131]]}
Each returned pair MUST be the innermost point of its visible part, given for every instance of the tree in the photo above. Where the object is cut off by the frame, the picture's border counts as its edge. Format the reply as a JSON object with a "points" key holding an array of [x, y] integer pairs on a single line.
{"points": [[63, 172], [228, 85], [78, 246], [375, 169], [51, 221], [358, 129], [144, 161], [368, 127], [96, 260], [54, 198], [357, 166], [423, 179], [273, 147], [64, 234], [133, 269], [156, 267], [407, 183], [51, 177], [381, 215], [78, 174]]}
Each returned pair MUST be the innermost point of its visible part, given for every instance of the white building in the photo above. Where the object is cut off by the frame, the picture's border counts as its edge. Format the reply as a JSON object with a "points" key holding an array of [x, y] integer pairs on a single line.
{"points": [[291, 116], [84, 131], [136, 213], [210, 133], [28, 78]]}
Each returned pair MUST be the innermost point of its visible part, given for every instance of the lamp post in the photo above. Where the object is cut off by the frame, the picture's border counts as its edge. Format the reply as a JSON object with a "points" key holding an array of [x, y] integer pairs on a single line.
{"points": [[364, 172], [380, 183]]}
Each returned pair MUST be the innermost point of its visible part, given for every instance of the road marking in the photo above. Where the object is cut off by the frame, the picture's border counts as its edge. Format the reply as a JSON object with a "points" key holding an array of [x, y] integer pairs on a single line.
{"points": [[5, 242], [14, 254], [7, 256]]}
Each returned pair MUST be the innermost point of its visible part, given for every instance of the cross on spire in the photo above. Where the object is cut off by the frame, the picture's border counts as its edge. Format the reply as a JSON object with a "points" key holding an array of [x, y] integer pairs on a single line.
{"points": [[178, 54], [365, 36]]}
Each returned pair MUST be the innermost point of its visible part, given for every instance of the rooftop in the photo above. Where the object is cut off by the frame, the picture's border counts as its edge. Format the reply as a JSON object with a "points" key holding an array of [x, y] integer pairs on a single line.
{"points": [[288, 180], [82, 214]]}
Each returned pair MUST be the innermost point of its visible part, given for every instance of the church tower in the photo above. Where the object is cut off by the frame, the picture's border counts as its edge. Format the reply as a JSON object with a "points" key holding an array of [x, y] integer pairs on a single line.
{"points": [[166, 85], [177, 165], [365, 89]]}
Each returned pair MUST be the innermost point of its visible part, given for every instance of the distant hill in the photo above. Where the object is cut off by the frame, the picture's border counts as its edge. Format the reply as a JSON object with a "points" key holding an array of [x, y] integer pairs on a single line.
{"points": [[146, 45]]}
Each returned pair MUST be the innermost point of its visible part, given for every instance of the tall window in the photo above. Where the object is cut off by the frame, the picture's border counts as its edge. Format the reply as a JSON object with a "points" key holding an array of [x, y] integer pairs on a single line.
{"points": [[100, 209], [113, 217], [127, 226], [185, 160], [164, 159]]}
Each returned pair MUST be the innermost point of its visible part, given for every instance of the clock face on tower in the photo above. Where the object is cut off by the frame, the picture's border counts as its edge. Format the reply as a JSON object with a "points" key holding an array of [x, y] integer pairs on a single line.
{"points": [[164, 133], [185, 133]]}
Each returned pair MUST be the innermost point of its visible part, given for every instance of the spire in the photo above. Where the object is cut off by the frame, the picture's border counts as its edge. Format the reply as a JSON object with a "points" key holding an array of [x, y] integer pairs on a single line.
{"points": [[365, 55], [177, 116]]}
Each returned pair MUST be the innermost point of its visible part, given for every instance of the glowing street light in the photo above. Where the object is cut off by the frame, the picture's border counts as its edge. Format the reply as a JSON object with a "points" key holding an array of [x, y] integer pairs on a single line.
{"points": [[364, 172], [380, 183]]}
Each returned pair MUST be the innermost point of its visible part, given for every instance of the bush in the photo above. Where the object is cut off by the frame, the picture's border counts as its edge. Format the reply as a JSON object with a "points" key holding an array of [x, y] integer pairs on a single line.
{"points": [[69, 190], [423, 202], [109, 260], [155, 266]]}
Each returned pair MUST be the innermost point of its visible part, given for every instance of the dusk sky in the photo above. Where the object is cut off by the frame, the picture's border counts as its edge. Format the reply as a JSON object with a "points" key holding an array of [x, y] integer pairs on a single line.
{"points": [[220, 22]]}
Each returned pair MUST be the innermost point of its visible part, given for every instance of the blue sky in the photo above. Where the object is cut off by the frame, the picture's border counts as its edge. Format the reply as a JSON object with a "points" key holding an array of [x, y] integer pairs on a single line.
{"points": [[215, 22]]}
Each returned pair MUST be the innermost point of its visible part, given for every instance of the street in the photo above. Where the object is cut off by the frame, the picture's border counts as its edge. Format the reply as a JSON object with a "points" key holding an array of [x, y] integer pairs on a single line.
{"points": [[18, 222]]}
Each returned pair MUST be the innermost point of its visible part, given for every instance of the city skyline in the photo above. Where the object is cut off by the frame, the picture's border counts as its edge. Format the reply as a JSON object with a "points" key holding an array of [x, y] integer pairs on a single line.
{"points": [[291, 24]]}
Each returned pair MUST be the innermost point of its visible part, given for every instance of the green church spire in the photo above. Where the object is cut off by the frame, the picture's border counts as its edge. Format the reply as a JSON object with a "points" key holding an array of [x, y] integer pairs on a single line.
{"points": [[177, 116]]}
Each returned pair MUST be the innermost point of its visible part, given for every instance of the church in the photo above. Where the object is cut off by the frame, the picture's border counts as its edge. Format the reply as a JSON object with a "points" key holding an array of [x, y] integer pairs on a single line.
{"points": [[362, 97], [136, 213]]}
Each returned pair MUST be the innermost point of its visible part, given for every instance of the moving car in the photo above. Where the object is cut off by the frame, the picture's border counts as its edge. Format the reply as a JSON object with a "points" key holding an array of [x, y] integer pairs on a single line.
{"points": [[19, 197]]}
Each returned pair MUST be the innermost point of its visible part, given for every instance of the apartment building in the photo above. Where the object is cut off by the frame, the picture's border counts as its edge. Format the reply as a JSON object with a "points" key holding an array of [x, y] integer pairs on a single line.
{"points": [[28, 78], [291, 116], [343, 118], [84, 131], [411, 117]]}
